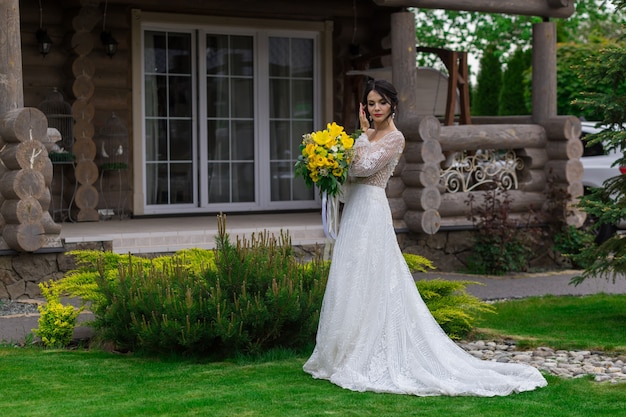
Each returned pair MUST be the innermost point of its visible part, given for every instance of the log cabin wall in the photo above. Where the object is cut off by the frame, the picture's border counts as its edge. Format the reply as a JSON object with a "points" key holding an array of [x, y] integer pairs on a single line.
{"points": [[99, 86]]}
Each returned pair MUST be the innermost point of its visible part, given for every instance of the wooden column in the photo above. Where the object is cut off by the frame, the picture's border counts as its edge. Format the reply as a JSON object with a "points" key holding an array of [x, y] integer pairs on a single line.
{"points": [[11, 87], [403, 56], [87, 195], [544, 71]]}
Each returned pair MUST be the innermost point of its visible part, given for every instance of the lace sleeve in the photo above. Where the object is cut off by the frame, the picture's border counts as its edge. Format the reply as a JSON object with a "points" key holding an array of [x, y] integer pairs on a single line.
{"points": [[370, 158]]}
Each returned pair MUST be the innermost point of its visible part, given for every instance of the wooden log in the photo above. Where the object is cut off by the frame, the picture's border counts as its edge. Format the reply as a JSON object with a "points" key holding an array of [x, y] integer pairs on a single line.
{"points": [[23, 124], [24, 237], [19, 184], [111, 80], [474, 137], [82, 43], [562, 128], [544, 71], [570, 149], [422, 199], [541, 8], [45, 200], [50, 227], [86, 172], [84, 149], [24, 211], [421, 175], [416, 129], [428, 151], [87, 197], [11, 86], [397, 207], [533, 157], [88, 215], [83, 87], [456, 204], [568, 171], [423, 221], [395, 187], [47, 172], [112, 99], [502, 120], [533, 180], [30, 154], [84, 130], [85, 66], [83, 110], [462, 222]]}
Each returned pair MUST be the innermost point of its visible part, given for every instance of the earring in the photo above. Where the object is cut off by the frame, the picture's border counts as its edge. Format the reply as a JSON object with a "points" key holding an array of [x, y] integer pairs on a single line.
{"points": [[393, 115]]}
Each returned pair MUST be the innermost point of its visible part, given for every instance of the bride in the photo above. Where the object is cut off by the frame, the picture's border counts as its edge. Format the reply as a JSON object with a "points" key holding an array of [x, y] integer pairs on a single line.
{"points": [[375, 332]]}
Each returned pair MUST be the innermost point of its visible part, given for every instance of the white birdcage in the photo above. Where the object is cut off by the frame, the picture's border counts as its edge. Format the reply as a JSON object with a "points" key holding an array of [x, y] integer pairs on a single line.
{"points": [[59, 114], [112, 153]]}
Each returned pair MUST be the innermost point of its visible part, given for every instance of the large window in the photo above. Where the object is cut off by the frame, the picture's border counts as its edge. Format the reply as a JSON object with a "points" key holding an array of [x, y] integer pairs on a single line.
{"points": [[224, 111]]}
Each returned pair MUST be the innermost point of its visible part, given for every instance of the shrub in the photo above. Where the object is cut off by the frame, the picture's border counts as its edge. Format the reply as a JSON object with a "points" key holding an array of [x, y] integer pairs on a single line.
{"points": [[452, 307], [56, 321], [501, 245], [256, 298]]}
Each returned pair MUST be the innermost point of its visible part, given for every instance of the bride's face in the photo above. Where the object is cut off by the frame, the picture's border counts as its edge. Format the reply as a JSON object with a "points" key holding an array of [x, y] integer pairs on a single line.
{"points": [[378, 107]]}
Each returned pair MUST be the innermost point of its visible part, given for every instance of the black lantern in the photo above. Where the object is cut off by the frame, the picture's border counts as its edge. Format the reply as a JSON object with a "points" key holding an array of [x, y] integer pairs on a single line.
{"points": [[109, 43], [44, 41]]}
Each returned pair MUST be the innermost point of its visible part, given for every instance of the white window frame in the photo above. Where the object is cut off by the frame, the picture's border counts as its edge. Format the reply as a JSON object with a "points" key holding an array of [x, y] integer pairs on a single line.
{"points": [[322, 34]]}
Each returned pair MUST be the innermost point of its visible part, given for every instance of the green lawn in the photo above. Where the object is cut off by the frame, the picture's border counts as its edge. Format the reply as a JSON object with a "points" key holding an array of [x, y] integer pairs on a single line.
{"points": [[589, 322], [37, 382]]}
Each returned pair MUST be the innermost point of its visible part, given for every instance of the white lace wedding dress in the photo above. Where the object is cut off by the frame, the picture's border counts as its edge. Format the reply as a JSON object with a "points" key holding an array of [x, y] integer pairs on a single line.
{"points": [[375, 332]]}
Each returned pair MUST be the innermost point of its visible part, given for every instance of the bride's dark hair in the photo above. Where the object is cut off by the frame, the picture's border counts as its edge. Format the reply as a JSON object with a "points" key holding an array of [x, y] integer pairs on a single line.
{"points": [[386, 90]]}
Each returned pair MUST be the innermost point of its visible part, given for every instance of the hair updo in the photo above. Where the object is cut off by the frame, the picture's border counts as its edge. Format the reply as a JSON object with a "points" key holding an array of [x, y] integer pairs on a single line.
{"points": [[385, 89]]}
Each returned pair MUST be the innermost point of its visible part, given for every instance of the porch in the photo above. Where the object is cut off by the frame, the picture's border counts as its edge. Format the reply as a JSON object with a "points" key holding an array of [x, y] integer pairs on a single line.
{"points": [[169, 234]]}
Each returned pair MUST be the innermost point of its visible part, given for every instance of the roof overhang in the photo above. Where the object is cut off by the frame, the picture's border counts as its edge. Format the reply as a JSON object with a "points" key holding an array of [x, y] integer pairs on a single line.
{"points": [[544, 8]]}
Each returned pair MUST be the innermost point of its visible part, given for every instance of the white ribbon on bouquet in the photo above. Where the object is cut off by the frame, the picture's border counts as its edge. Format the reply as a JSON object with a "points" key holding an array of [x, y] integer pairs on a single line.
{"points": [[330, 215]]}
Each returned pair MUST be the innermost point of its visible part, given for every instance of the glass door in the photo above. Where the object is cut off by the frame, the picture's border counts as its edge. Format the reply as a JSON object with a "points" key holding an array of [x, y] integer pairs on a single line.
{"points": [[169, 113]]}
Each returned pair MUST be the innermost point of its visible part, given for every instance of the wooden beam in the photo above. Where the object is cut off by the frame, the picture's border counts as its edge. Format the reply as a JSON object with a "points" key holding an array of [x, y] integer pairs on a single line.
{"points": [[543, 8], [11, 83]]}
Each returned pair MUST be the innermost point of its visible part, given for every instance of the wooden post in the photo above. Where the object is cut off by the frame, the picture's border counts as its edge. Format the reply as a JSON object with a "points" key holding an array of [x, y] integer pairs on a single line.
{"points": [[11, 87], [403, 56], [544, 71]]}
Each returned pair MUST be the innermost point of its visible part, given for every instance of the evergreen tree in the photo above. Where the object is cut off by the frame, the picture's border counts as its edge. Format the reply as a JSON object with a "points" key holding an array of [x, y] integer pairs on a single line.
{"points": [[607, 204], [512, 99], [489, 82]]}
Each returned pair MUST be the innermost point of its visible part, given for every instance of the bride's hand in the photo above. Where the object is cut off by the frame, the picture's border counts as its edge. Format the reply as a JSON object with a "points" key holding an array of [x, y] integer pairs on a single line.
{"points": [[365, 124]]}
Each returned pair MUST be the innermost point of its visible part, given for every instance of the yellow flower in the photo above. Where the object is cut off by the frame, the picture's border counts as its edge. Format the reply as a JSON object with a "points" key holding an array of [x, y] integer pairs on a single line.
{"points": [[347, 141], [338, 172], [309, 150], [334, 130], [322, 137]]}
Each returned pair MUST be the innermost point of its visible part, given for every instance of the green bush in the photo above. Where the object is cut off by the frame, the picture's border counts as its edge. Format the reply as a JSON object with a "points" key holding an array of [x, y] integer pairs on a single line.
{"points": [[56, 321], [452, 307], [256, 298]]}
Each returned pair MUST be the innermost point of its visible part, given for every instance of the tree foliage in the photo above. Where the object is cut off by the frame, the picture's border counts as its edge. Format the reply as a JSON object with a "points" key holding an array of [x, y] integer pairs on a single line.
{"points": [[513, 92], [607, 204], [489, 80]]}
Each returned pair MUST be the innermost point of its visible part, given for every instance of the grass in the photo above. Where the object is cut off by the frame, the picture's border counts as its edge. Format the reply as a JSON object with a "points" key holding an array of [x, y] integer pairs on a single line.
{"points": [[45, 382], [594, 322]]}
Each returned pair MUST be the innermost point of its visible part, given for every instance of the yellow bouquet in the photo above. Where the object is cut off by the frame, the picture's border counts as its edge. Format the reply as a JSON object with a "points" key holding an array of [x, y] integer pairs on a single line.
{"points": [[324, 158]]}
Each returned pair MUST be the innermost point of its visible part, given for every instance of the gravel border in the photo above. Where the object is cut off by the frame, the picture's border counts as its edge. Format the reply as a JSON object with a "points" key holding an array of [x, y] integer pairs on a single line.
{"points": [[12, 307]]}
